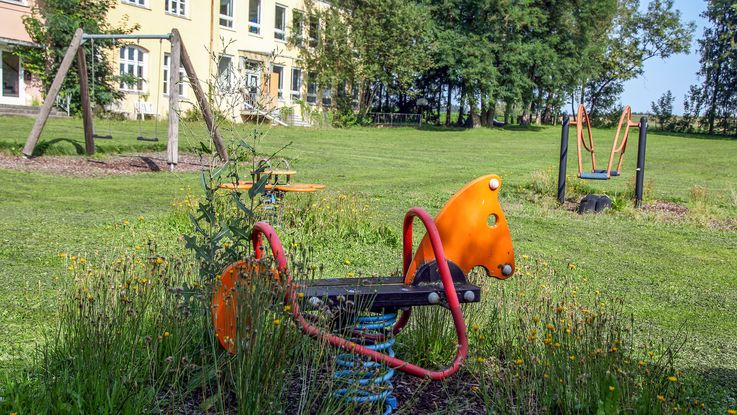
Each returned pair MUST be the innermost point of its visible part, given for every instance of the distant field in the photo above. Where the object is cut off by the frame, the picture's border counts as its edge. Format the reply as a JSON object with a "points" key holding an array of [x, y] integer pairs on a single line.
{"points": [[676, 273]]}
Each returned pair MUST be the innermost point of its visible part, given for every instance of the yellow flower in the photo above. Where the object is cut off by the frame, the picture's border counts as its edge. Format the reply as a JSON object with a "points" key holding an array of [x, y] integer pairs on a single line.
{"points": [[277, 321], [661, 398], [287, 308], [732, 411], [62, 255], [573, 358], [475, 327], [568, 331], [550, 326], [125, 222], [556, 344], [641, 363], [547, 340], [536, 319], [350, 274], [167, 334], [651, 354], [611, 388], [138, 247], [159, 261], [519, 362], [140, 218], [482, 337], [480, 360], [70, 268], [82, 260], [347, 261], [571, 265], [525, 257], [672, 378]]}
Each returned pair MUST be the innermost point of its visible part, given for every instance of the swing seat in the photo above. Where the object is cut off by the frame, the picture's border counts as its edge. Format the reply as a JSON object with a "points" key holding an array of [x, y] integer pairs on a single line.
{"points": [[594, 175], [106, 137], [150, 139]]}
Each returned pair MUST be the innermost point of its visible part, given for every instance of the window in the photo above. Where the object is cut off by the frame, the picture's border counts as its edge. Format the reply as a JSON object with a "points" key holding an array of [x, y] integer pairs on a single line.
{"points": [[182, 74], [280, 23], [226, 13], [132, 64], [178, 7], [314, 30], [279, 71], [142, 3], [298, 19], [296, 83], [311, 89], [254, 16], [11, 75], [327, 97], [225, 73]]}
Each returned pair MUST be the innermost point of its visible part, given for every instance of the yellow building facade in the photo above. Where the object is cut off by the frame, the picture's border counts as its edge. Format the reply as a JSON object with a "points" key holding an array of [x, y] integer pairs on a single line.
{"points": [[239, 49]]}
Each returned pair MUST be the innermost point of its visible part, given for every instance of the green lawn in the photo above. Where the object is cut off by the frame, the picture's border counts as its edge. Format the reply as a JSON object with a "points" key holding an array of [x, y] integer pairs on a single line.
{"points": [[675, 274]]}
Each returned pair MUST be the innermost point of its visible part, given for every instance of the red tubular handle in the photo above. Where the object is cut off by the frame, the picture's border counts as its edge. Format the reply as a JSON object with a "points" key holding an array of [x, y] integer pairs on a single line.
{"points": [[263, 228]]}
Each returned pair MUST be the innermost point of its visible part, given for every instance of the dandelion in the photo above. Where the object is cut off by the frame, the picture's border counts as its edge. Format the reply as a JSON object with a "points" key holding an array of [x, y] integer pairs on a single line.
{"points": [[159, 261], [547, 340], [287, 308], [125, 222], [568, 331], [661, 398], [550, 326], [70, 268], [62, 255], [519, 362], [571, 265], [350, 274], [480, 360], [536, 319], [732, 411], [612, 388], [138, 247], [167, 334], [277, 322], [475, 327], [573, 358], [347, 261], [141, 218], [651, 354], [641, 363], [482, 337], [556, 344], [525, 257], [672, 378]]}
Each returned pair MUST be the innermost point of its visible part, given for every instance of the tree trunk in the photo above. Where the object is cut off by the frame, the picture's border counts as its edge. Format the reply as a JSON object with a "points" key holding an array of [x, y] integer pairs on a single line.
{"points": [[461, 107], [448, 104]]}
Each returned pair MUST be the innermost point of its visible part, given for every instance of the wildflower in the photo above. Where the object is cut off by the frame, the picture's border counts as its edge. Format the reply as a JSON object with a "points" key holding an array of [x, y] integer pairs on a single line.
{"points": [[138, 247], [573, 358], [547, 340], [287, 308], [519, 362], [550, 326], [277, 322], [545, 376], [82, 260], [474, 389], [125, 222], [482, 337], [661, 398], [568, 331], [613, 349], [167, 334], [525, 257], [70, 268], [556, 344], [571, 265], [301, 295], [62, 255], [732, 411], [560, 309], [475, 327], [612, 388], [536, 319], [159, 261], [480, 360], [350, 274], [651, 354], [347, 261], [672, 378], [140, 218]]}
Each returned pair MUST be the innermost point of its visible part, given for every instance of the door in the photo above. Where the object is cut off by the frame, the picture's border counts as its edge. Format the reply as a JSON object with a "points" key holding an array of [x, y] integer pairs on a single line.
{"points": [[11, 74]]}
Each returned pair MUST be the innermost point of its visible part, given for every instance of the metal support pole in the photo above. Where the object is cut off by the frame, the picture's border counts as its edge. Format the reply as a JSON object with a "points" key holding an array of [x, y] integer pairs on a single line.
{"points": [[640, 174], [563, 164]]}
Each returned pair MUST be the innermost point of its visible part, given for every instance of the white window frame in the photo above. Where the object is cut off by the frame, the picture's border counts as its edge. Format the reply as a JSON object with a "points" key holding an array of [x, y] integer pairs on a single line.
{"points": [[137, 3], [176, 7], [18, 2], [225, 84], [254, 28], [296, 89], [182, 76], [126, 62], [228, 20], [280, 81], [280, 35]]}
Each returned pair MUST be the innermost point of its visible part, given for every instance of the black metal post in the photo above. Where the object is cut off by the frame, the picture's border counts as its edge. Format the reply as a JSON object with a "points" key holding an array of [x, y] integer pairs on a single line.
{"points": [[563, 160], [640, 175]]}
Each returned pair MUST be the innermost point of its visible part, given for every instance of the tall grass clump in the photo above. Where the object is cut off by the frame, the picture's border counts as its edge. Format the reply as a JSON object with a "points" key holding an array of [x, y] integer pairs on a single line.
{"points": [[549, 346]]}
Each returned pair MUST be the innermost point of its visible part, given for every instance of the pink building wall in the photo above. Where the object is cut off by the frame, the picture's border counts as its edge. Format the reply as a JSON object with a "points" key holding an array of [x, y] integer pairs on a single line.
{"points": [[11, 20]]}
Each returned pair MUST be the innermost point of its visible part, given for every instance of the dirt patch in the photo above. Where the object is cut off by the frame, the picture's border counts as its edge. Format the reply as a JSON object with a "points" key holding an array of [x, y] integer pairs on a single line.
{"points": [[667, 208], [111, 166]]}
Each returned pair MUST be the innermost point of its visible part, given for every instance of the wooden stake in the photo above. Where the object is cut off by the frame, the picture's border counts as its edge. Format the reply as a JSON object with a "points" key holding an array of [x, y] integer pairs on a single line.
{"points": [[84, 96], [172, 145], [202, 100], [43, 115]]}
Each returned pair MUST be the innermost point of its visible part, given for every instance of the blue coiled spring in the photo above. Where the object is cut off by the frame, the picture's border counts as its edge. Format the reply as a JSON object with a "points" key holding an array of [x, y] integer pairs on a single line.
{"points": [[367, 381]]}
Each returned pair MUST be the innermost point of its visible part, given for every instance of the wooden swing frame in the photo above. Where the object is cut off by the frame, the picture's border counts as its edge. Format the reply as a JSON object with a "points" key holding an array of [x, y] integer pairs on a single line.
{"points": [[179, 56]]}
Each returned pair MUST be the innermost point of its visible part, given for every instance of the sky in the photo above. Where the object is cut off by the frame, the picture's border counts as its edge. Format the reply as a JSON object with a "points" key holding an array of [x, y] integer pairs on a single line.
{"points": [[676, 73]]}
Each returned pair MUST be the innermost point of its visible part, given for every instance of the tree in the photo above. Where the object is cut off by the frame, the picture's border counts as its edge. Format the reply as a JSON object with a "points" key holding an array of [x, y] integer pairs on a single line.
{"points": [[662, 109], [631, 39], [52, 24], [717, 95]]}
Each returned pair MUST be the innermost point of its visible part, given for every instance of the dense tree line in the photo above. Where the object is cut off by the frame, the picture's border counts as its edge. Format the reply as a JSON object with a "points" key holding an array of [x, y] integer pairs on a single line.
{"points": [[515, 60]]}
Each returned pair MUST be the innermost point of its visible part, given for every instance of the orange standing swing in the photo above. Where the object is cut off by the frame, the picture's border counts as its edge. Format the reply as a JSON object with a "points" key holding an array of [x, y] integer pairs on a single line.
{"points": [[619, 145]]}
